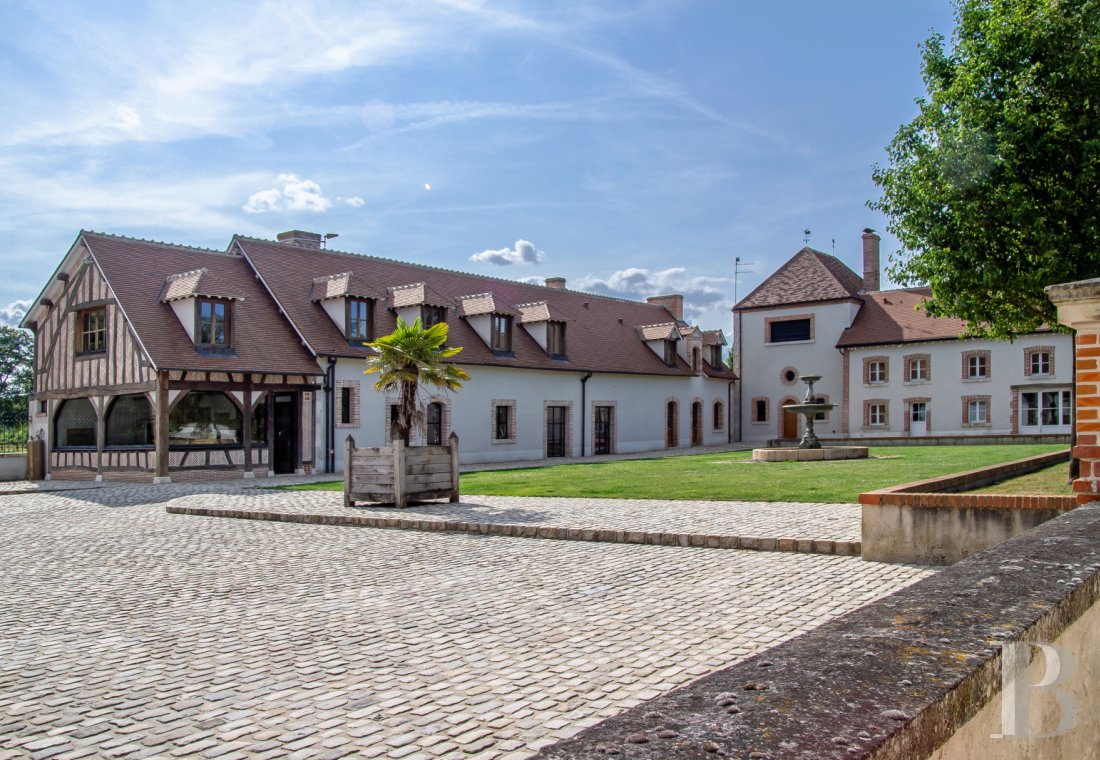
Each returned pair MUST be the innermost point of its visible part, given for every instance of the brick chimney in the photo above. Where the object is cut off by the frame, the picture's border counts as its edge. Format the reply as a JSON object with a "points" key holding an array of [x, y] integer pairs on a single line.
{"points": [[674, 303], [870, 259], [300, 238], [557, 283]]}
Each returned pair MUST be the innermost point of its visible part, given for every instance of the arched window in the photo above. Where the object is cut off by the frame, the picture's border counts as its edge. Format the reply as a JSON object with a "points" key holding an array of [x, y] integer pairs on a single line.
{"points": [[75, 424], [204, 418], [719, 415], [130, 421], [259, 422]]}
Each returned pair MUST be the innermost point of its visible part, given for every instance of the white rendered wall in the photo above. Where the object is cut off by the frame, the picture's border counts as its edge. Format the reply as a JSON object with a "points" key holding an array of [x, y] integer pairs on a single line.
{"points": [[184, 309], [763, 365], [639, 401], [948, 386]]}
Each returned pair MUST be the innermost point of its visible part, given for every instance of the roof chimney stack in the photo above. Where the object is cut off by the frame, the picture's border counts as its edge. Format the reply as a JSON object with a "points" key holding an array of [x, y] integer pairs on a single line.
{"points": [[557, 283], [300, 238], [674, 303], [870, 259]]}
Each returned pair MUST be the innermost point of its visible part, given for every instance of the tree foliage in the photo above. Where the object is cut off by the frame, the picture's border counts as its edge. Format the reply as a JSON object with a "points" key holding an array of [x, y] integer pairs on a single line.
{"points": [[994, 188], [406, 358], [16, 362]]}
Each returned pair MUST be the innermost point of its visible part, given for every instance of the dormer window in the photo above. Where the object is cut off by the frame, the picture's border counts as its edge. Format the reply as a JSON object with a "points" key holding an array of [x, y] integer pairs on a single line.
{"points": [[213, 323], [92, 327], [501, 333], [360, 320], [715, 356], [555, 339], [432, 315], [670, 353]]}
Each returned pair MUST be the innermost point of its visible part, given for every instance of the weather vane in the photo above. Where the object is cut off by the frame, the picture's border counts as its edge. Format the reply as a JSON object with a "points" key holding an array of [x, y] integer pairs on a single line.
{"points": [[806, 236]]}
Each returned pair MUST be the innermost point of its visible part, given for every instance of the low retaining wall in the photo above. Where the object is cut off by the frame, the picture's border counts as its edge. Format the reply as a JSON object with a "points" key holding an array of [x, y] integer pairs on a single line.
{"points": [[926, 523], [13, 466], [903, 677], [931, 440]]}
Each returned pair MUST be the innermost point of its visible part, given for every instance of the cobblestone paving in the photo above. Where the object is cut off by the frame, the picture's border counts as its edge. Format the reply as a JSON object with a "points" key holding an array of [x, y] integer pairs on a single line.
{"points": [[834, 522], [126, 631]]}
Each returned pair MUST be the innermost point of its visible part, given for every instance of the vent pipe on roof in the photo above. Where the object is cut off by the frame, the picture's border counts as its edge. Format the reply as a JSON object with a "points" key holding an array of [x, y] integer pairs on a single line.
{"points": [[870, 259], [674, 303], [300, 238], [557, 283]]}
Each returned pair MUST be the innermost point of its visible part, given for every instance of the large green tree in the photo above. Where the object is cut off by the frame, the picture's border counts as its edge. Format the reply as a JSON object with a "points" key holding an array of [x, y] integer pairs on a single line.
{"points": [[16, 362], [411, 356], [994, 188]]}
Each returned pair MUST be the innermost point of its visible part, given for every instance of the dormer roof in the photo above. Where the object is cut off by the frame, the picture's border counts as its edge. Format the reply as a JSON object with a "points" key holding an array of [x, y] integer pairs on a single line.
{"points": [[197, 283], [807, 277], [417, 294], [713, 338], [540, 311], [343, 285], [663, 331], [482, 303]]}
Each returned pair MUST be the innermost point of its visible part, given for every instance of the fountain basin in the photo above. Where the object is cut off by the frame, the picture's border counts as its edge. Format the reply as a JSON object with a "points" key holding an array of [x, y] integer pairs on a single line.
{"points": [[809, 455]]}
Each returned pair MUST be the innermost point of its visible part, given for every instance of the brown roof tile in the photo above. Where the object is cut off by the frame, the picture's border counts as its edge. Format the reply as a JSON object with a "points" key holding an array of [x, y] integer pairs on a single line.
{"points": [[602, 330], [137, 271], [892, 316], [480, 304], [663, 331], [808, 276], [342, 285], [714, 338], [538, 312], [417, 294]]}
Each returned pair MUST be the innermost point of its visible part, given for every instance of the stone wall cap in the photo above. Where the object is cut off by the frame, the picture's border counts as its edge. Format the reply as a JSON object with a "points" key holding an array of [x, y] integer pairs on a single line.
{"points": [[1074, 291]]}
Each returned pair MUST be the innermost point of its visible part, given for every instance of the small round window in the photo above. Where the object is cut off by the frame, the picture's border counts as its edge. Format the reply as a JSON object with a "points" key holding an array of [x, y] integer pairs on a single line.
{"points": [[789, 375]]}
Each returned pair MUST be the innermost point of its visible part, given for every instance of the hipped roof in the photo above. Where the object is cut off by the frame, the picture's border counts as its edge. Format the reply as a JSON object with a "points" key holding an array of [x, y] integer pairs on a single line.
{"points": [[808, 276]]}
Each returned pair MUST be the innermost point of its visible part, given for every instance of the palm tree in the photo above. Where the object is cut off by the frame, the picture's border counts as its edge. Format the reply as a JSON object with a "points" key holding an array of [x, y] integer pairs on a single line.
{"points": [[407, 357]]}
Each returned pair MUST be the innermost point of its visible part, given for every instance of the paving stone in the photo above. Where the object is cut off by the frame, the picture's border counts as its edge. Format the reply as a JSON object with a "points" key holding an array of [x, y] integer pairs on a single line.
{"points": [[120, 622]]}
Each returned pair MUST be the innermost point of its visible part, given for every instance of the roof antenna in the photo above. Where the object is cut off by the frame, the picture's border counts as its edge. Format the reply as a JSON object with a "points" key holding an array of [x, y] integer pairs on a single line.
{"points": [[806, 236], [834, 246]]}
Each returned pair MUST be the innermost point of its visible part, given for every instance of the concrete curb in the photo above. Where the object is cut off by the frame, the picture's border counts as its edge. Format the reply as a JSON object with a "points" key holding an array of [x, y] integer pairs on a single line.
{"points": [[651, 538]]}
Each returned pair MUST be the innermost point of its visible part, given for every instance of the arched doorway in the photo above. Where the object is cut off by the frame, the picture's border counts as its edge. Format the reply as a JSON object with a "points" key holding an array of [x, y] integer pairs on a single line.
{"points": [[697, 423], [790, 421]]}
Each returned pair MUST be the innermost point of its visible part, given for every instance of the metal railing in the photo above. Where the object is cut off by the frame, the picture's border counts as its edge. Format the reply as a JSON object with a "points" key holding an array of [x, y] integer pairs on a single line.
{"points": [[13, 425]]}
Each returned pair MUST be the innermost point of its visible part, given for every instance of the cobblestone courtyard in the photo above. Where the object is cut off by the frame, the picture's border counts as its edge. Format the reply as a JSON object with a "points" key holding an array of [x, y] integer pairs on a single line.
{"points": [[126, 631]]}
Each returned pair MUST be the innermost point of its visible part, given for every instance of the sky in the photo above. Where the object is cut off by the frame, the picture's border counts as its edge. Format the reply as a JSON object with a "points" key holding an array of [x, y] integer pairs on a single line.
{"points": [[634, 148]]}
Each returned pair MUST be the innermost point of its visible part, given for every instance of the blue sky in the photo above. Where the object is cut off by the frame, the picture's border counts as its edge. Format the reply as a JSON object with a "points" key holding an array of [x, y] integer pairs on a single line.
{"points": [[634, 148]]}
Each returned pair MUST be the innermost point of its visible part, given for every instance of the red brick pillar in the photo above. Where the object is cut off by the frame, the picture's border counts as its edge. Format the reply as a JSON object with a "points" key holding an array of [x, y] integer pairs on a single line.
{"points": [[1079, 307]]}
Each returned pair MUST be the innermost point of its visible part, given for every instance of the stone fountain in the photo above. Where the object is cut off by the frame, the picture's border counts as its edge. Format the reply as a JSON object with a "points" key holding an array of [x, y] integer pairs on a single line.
{"points": [[809, 448]]}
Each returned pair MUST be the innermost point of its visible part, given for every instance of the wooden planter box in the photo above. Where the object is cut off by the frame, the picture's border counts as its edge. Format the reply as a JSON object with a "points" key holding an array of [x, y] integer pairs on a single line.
{"points": [[425, 472]]}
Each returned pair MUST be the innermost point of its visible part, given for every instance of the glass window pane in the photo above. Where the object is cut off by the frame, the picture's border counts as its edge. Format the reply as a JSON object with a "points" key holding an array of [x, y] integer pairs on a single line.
{"points": [[76, 423], [130, 422], [204, 418]]}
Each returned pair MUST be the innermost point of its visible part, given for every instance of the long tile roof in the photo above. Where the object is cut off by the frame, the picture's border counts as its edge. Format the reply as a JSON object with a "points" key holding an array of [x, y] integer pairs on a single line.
{"points": [[137, 271], [602, 330], [892, 316], [807, 277]]}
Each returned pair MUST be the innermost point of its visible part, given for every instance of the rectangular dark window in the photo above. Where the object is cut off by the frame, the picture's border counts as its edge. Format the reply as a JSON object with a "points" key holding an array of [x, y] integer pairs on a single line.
{"points": [[876, 414], [434, 424], [716, 357], [1040, 363], [92, 326], [345, 405], [555, 431], [432, 315], [502, 427], [555, 339], [360, 320], [601, 432], [213, 325], [502, 333], [670, 353], [876, 372], [790, 330], [761, 411]]}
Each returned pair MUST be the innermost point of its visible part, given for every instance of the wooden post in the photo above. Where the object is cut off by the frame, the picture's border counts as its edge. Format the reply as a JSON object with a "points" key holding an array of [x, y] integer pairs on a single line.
{"points": [[452, 442], [100, 435], [246, 429], [162, 428], [349, 449], [399, 497]]}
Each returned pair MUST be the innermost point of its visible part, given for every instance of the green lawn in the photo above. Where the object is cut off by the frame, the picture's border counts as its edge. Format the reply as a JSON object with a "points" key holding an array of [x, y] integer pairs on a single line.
{"points": [[733, 476], [1053, 481]]}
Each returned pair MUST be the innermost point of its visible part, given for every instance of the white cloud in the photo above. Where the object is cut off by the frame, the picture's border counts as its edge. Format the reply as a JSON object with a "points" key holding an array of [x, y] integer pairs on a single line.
{"points": [[14, 311], [702, 295], [354, 201], [524, 252], [295, 195]]}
